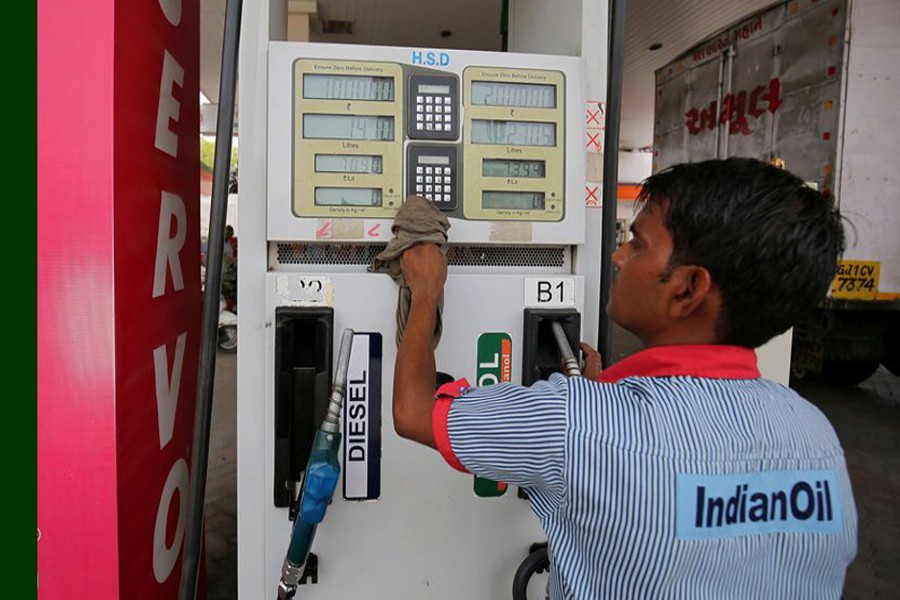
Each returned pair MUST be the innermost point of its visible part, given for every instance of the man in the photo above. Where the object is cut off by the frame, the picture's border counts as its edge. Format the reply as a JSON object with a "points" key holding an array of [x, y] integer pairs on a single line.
{"points": [[230, 248], [680, 473], [229, 268]]}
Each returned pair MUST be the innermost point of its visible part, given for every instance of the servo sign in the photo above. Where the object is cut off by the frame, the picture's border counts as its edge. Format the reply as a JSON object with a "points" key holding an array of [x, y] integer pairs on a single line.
{"points": [[362, 419]]}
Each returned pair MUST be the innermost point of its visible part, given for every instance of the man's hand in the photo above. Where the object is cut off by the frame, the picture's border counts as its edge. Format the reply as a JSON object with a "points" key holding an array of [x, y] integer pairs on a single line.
{"points": [[593, 363], [425, 271]]}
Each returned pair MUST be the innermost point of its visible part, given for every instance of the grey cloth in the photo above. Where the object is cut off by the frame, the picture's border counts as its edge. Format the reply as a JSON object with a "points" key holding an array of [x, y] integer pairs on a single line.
{"points": [[417, 222]]}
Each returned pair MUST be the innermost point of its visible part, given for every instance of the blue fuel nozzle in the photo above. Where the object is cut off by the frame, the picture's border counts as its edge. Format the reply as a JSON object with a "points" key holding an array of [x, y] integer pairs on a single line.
{"points": [[320, 480]]}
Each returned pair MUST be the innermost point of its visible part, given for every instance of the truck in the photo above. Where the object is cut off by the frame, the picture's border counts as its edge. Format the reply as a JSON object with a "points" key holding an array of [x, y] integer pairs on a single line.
{"points": [[813, 86]]}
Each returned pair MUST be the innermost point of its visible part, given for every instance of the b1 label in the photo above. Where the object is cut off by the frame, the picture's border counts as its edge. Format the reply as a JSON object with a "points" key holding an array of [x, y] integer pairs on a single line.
{"points": [[494, 366], [550, 292]]}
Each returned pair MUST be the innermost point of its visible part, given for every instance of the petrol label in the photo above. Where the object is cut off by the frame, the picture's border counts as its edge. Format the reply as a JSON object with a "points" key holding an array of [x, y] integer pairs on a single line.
{"points": [[362, 419], [856, 280], [494, 366]]}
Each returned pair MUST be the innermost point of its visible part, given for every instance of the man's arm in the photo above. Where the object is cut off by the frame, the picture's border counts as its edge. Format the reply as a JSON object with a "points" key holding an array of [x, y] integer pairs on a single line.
{"points": [[425, 271]]}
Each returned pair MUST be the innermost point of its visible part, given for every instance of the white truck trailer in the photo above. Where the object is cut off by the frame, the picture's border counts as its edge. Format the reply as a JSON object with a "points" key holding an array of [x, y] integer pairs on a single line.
{"points": [[815, 84]]}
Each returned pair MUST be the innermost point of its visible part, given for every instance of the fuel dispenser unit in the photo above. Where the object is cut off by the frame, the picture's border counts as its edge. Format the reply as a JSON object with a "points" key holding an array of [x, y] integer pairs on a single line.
{"points": [[495, 141]]}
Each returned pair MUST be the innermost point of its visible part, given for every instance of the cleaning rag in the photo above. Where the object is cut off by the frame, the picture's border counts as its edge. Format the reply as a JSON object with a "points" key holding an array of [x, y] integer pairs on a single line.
{"points": [[417, 222]]}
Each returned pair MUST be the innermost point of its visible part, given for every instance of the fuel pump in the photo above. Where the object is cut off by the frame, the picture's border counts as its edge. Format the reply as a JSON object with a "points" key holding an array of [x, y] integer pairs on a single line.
{"points": [[496, 142]]}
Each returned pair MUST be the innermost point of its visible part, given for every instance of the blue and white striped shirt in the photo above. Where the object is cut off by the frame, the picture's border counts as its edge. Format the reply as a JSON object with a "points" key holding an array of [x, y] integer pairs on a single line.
{"points": [[687, 476]]}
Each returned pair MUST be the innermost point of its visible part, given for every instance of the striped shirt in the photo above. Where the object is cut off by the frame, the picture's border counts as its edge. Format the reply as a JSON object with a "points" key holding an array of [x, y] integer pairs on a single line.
{"points": [[682, 474]]}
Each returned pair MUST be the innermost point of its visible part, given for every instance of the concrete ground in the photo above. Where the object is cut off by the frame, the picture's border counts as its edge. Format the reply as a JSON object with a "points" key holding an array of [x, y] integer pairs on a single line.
{"points": [[866, 418], [221, 485], [867, 421]]}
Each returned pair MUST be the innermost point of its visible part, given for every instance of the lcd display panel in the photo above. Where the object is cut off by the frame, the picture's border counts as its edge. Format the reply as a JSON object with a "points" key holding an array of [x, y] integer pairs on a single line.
{"points": [[523, 95], [434, 160], [433, 89], [340, 196], [513, 133], [348, 87], [348, 127], [513, 200], [348, 163], [513, 168]]}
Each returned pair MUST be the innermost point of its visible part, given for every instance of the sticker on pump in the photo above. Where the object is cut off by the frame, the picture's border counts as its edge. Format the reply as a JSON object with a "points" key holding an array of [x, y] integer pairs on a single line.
{"points": [[362, 419], [306, 290], [550, 292], [494, 366]]}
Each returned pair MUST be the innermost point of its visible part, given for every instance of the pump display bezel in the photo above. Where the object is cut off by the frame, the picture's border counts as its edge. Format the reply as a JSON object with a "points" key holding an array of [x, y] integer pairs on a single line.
{"points": [[289, 220], [306, 179], [493, 132]]}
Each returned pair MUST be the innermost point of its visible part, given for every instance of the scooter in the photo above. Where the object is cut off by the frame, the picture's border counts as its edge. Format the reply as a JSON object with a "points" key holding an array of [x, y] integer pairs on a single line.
{"points": [[227, 330]]}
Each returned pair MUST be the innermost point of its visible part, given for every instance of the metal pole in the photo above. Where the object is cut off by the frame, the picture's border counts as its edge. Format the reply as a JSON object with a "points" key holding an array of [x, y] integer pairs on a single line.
{"points": [[720, 127], [212, 291], [611, 167], [720, 95]]}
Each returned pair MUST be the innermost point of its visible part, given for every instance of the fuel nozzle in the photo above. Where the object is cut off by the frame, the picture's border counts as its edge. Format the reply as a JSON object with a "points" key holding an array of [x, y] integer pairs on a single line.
{"points": [[286, 590], [320, 481], [548, 338], [565, 351]]}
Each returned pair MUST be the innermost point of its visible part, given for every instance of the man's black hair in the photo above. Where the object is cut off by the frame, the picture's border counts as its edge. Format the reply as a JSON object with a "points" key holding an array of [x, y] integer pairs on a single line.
{"points": [[770, 242]]}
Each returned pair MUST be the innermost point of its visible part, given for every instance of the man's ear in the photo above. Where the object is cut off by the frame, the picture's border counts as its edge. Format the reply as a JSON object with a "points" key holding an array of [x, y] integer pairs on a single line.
{"points": [[693, 287]]}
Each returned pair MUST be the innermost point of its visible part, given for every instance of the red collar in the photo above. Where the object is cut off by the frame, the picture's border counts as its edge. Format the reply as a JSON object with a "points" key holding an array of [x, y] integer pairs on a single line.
{"points": [[709, 361]]}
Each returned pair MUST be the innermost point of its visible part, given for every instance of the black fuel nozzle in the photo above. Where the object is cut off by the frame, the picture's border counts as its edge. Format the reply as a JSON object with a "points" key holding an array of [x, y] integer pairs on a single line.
{"points": [[570, 363], [548, 335]]}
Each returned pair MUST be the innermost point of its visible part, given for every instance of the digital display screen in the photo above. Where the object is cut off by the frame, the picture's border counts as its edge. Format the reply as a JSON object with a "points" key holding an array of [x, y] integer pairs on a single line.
{"points": [[348, 127], [348, 163], [513, 133], [434, 160], [348, 87], [434, 89], [525, 95], [334, 196], [513, 168], [513, 200]]}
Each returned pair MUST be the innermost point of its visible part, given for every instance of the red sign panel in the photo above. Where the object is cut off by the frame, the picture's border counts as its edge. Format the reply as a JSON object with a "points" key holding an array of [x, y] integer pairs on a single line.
{"points": [[118, 294]]}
